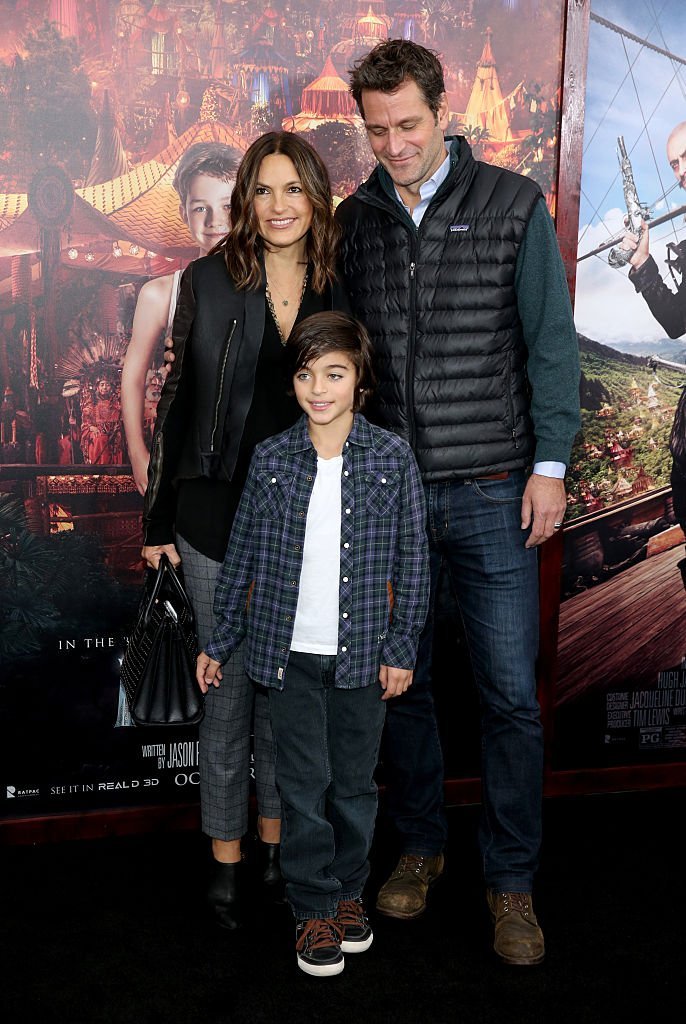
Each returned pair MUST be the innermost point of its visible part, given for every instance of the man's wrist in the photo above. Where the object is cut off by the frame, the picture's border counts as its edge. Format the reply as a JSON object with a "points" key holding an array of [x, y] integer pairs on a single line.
{"points": [[556, 470]]}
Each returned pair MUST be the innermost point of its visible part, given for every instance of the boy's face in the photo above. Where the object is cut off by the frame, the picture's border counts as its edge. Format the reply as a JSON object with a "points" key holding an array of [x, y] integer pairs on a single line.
{"points": [[325, 389], [207, 210]]}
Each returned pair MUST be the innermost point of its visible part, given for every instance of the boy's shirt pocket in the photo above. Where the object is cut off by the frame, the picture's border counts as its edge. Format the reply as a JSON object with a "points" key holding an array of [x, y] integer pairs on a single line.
{"points": [[382, 490], [272, 490]]}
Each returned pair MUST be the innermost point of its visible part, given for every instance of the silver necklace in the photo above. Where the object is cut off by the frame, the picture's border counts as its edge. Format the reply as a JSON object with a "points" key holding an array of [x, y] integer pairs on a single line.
{"points": [[284, 302]]}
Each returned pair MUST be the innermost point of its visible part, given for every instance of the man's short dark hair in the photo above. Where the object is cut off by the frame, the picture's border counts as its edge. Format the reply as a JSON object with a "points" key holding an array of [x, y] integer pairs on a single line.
{"points": [[393, 62], [321, 333], [212, 158]]}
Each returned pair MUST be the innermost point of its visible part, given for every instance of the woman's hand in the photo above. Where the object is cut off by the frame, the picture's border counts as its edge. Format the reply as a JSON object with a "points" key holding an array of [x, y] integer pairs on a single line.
{"points": [[151, 553], [208, 672]]}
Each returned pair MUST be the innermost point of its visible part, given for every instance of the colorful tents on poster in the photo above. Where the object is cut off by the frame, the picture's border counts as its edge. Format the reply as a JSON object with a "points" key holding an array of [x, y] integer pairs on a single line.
{"points": [[487, 108], [326, 99], [261, 74]]}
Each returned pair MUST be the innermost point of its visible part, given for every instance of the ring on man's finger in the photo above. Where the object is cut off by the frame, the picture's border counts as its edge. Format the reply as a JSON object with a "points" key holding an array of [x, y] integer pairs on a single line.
{"points": [[556, 526]]}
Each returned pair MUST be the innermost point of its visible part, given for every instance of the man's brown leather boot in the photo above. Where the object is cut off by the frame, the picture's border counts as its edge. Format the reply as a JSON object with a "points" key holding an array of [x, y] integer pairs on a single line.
{"points": [[518, 937], [404, 894]]}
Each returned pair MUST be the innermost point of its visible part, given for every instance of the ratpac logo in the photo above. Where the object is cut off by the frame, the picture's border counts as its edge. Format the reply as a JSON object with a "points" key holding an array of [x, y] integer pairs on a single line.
{"points": [[15, 794]]}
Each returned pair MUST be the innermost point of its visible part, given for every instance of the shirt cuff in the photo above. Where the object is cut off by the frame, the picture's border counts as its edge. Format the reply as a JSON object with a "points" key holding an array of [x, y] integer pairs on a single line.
{"points": [[399, 652], [555, 469]]}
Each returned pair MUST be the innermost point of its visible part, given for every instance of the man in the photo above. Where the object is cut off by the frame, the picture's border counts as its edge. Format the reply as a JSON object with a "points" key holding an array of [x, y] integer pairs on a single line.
{"points": [[668, 307], [454, 268]]}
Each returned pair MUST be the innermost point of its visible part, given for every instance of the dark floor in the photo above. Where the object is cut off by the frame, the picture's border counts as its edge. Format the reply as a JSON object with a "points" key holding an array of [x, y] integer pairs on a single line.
{"points": [[113, 931]]}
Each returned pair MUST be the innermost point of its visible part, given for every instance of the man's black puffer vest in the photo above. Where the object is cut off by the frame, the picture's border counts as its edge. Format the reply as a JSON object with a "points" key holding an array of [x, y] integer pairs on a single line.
{"points": [[440, 305]]}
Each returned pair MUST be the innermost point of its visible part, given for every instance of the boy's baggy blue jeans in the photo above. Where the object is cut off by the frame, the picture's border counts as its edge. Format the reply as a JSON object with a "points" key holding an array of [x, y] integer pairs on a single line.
{"points": [[327, 746], [474, 527]]}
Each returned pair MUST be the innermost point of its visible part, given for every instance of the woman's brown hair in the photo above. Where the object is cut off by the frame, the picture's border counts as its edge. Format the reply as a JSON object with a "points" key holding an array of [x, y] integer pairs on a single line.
{"points": [[243, 246]]}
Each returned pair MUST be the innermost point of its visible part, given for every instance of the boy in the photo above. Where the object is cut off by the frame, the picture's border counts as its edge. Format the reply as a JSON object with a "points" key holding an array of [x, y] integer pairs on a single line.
{"points": [[204, 181], [326, 572]]}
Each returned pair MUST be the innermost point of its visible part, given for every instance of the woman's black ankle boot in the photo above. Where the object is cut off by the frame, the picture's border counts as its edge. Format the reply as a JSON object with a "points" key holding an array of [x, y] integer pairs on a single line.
{"points": [[225, 894]]}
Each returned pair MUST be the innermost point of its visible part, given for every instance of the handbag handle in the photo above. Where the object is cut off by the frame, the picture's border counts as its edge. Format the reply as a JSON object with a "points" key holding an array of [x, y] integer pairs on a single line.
{"points": [[165, 568]]}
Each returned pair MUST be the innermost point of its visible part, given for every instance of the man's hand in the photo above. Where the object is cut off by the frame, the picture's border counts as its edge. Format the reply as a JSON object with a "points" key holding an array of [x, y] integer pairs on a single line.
{"points": [[151, 553], [638, 247], [544, 503], [394, 680], [208, 672]]}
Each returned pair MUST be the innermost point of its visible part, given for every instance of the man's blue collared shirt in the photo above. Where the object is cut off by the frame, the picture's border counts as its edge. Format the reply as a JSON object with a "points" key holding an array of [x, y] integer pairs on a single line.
{"points": [[427, 191], [384, 574]]}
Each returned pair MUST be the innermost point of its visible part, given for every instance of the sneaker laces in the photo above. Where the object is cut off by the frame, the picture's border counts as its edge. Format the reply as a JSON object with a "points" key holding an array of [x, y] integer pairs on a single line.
{"points": [[350, 914], [318, 933]]}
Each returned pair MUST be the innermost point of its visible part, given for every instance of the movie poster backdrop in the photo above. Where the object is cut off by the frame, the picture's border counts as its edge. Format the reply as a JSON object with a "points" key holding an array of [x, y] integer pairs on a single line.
{"points": [[100, 101], [621, 689]]}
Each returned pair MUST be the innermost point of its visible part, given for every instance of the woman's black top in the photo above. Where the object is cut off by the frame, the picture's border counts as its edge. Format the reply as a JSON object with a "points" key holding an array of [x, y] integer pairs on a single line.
{"points": [[206, 507]]}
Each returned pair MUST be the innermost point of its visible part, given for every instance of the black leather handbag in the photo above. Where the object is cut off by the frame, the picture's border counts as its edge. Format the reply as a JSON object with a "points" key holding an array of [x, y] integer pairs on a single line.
{"points": [[158, 670]]}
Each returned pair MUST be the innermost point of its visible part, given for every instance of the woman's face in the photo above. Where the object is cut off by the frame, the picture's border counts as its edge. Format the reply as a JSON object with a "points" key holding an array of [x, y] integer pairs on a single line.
{"points": [[283, 210]]}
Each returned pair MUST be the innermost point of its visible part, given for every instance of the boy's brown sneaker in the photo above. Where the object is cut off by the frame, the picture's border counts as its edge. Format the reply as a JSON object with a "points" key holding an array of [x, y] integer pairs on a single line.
{"points": [[404, 894], [518, 936], [318, 946], [357, 932]]}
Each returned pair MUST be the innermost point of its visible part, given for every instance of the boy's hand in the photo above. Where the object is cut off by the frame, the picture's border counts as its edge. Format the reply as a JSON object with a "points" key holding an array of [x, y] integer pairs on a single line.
{"points": [[394, 680], [208, 672], [168, 354]]}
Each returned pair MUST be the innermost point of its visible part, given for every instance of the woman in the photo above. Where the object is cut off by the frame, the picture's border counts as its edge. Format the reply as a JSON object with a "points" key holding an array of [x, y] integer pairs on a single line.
{"points": [[227, 391], [203, 182]]}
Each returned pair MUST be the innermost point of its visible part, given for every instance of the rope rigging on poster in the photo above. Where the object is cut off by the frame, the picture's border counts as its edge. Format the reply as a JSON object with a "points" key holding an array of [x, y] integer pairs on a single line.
{"points": [[646, 209]]}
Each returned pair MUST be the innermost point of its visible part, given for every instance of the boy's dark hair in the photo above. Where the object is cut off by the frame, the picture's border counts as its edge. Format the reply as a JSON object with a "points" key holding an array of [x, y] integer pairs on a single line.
{"points": [[393, 62], [212, 158], [321, 333]]}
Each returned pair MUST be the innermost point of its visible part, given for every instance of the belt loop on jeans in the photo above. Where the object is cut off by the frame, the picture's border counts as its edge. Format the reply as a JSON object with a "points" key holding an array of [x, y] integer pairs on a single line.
{"points": [[490, 476]]}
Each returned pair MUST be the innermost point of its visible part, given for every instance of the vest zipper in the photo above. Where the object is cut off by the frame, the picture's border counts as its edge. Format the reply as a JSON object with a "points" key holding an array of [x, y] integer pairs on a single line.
{"points": [[220, 386], [510, 403], [409, 368]]}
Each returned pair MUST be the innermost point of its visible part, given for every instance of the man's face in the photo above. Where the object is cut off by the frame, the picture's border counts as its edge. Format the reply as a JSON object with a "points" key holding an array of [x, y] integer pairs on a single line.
{"points": [[405, 135], [676, 153], [207, 210]]}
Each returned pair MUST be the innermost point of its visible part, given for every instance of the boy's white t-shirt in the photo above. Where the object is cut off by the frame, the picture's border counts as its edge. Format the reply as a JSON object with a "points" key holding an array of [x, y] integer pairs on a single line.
{"points": [[316, 619]]}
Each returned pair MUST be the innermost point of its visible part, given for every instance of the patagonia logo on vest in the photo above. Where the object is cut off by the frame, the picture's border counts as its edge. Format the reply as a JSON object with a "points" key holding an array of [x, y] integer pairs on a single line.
{"points": [[459, 227]]}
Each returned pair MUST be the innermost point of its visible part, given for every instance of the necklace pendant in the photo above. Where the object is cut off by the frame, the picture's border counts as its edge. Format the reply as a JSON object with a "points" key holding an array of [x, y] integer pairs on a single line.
{"points": [[284, 302]]}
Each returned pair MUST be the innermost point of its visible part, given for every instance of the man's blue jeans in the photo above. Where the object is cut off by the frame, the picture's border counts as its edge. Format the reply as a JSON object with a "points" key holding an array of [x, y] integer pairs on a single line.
{"points": [[474, 528], [327, 748]]}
